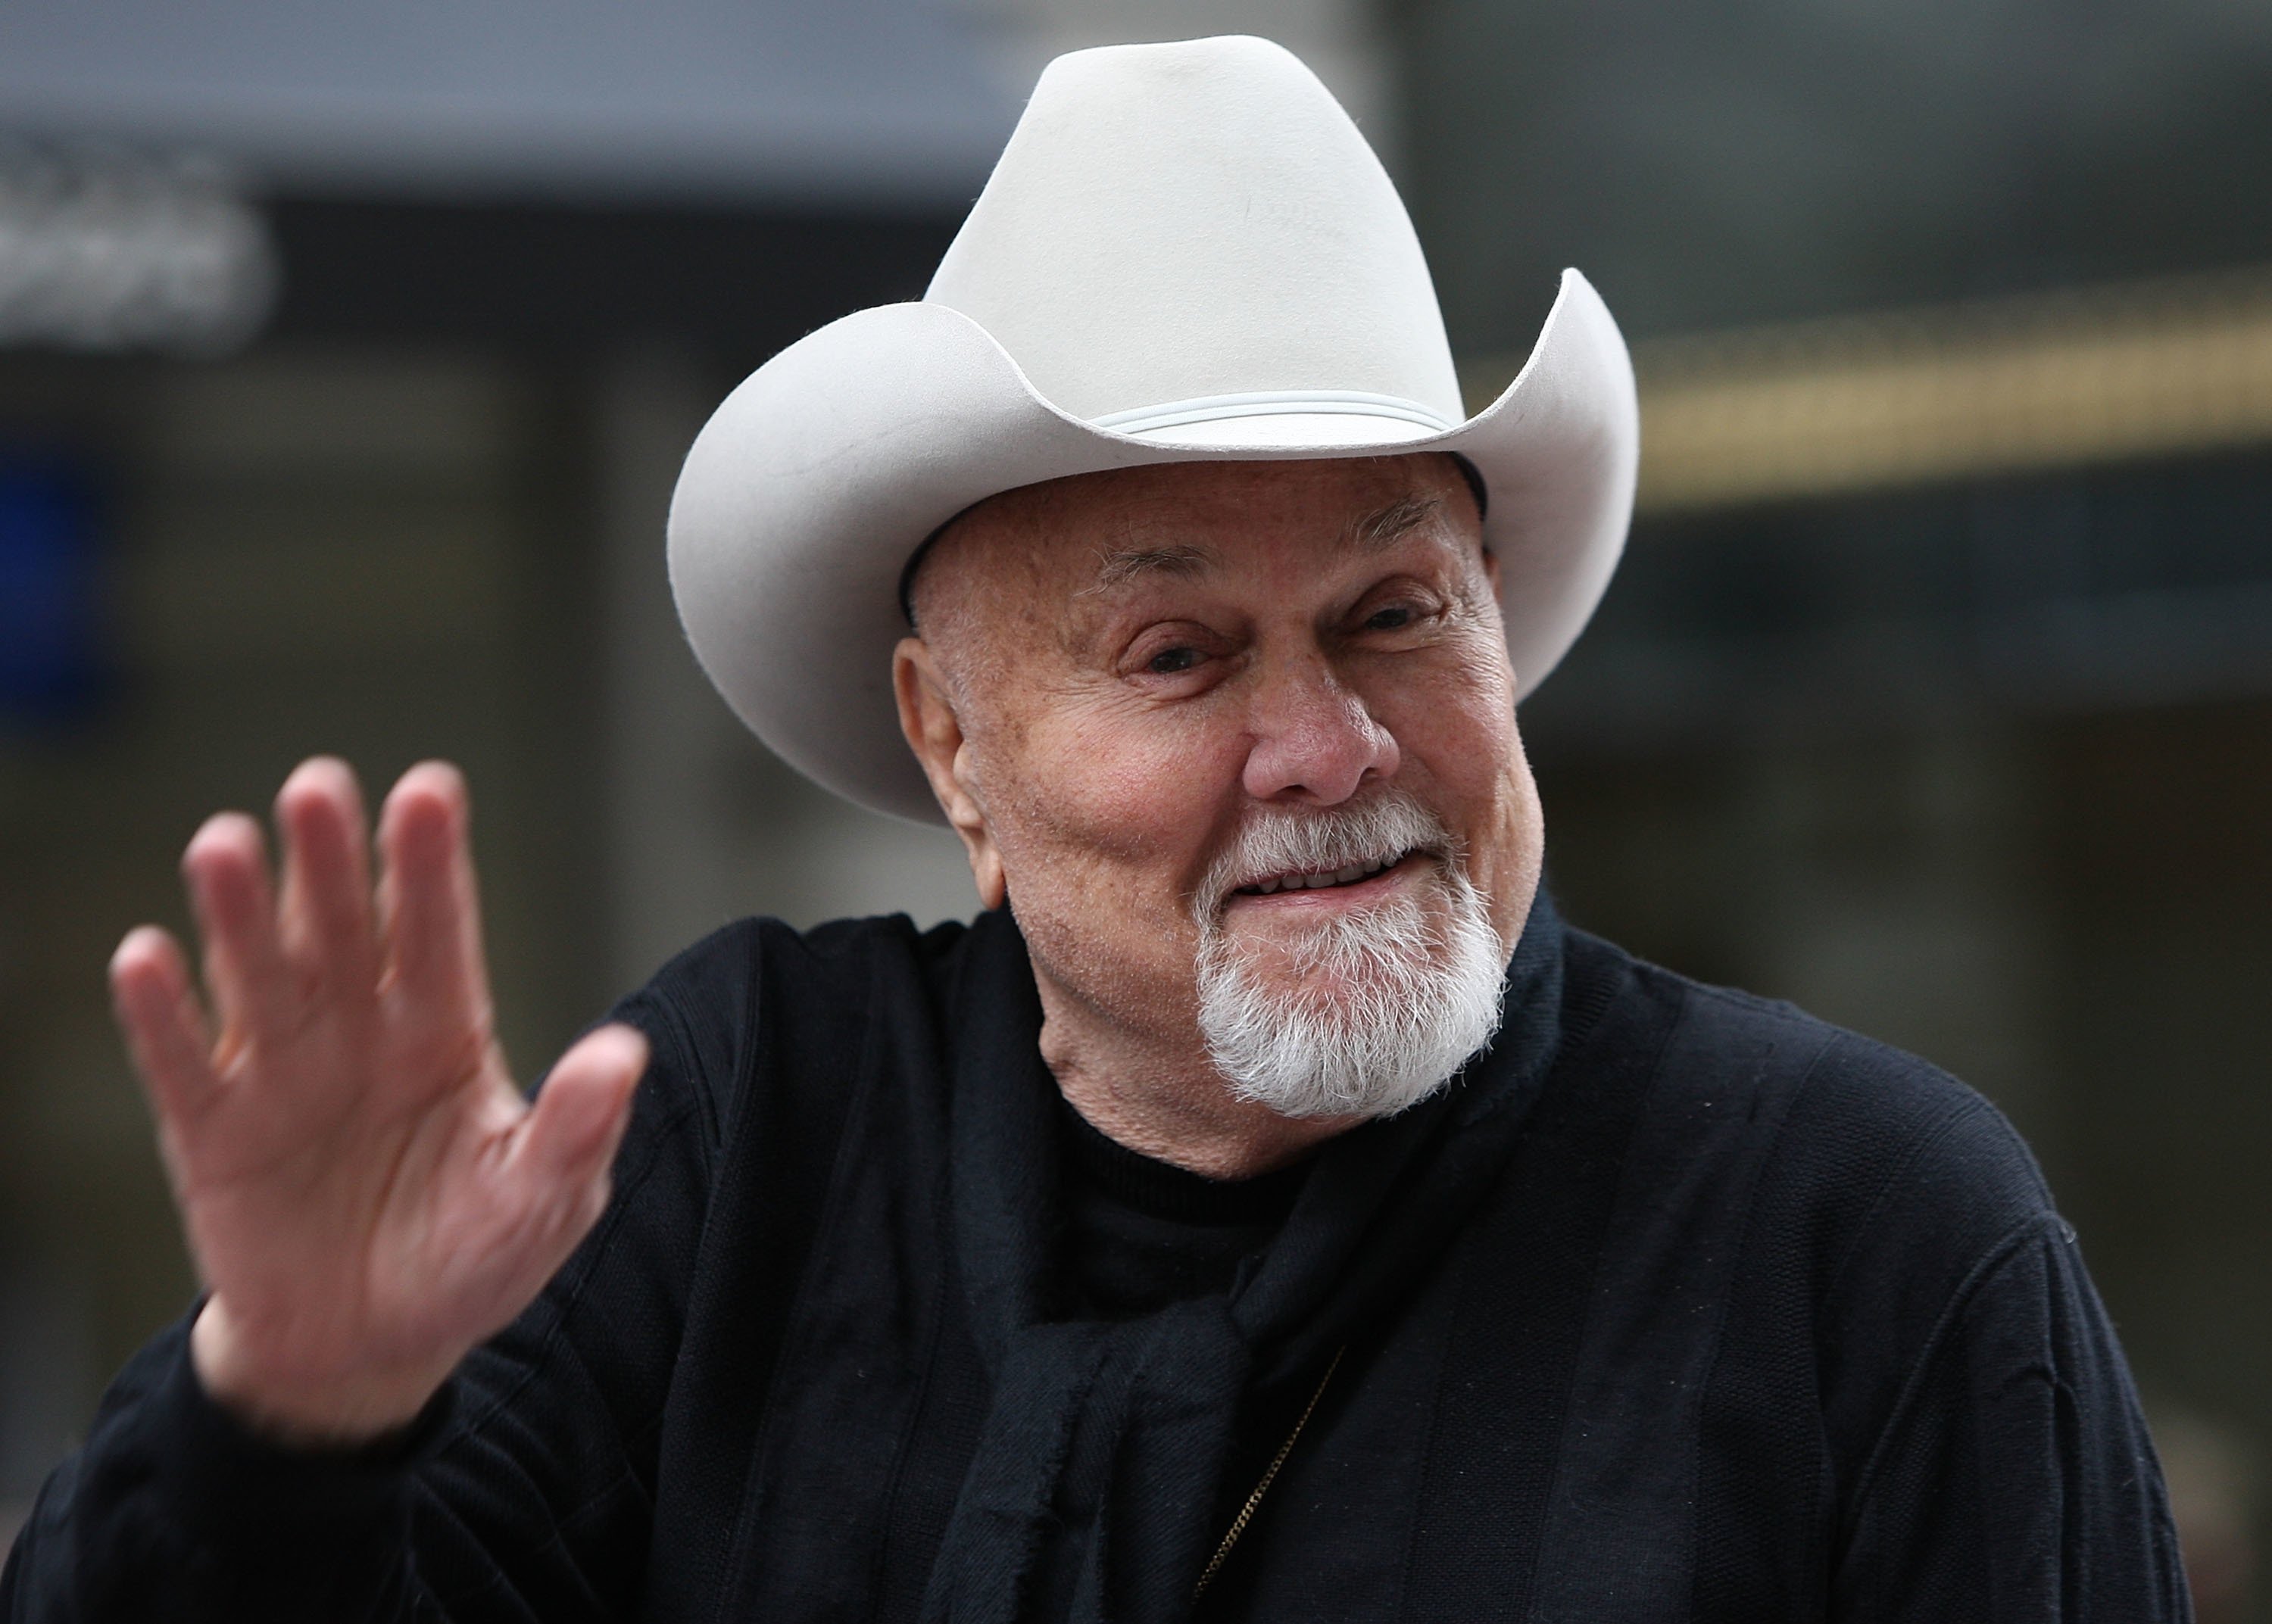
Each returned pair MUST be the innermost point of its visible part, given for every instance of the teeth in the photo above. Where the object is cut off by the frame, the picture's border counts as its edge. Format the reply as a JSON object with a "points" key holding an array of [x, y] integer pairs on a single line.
{"points": [[1319, 882]]}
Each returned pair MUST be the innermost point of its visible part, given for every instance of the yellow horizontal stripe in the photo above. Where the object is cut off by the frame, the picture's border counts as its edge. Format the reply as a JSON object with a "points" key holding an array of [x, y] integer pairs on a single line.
{"points": [[1909, 398]]}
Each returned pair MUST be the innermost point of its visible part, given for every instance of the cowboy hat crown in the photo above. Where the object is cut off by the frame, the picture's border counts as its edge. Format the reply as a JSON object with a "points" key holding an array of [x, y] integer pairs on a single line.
{"points": [[1215, 212], [1186, 252]]}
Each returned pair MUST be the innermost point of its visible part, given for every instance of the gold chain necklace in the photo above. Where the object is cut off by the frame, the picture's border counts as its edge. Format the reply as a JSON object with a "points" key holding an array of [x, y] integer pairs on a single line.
{"points": [[1246, 1512]]}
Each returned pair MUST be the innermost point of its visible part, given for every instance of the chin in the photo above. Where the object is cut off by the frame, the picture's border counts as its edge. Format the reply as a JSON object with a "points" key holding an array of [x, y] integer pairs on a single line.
{"points": [[1358, 1012]]}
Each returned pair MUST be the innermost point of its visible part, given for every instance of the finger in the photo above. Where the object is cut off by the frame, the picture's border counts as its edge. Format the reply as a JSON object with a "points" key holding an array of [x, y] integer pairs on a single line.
{"points": [[568, 1141], [165, 1029], [430, 904], [226, 869], [325, 918]]}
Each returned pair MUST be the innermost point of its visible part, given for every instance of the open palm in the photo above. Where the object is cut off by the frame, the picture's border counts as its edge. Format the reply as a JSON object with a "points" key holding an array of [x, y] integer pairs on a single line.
{"points": [[366, 1194]]}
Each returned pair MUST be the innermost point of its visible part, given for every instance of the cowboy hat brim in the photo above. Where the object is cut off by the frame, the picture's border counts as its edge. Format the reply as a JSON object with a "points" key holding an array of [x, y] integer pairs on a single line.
{"points": [[813, 483]]}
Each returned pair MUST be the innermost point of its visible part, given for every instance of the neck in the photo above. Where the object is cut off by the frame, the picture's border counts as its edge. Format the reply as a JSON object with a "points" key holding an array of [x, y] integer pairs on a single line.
{"points": [[1165, 1099]]}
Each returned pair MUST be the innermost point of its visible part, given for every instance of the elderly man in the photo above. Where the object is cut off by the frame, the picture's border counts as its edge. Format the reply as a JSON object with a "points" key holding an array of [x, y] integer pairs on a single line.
{"points": [[1265, 1209]]}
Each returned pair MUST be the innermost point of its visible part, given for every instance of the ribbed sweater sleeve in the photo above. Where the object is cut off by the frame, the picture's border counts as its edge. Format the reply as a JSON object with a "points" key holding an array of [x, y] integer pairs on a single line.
{"points": [[2017, 1481]]}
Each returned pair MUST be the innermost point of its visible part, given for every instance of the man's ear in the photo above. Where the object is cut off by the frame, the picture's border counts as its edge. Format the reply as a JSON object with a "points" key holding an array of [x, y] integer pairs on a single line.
{"points": [[934, 732]]}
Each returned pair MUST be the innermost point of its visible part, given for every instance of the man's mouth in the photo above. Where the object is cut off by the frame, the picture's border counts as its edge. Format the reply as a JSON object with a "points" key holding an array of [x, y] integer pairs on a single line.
{"points": [[1322, 879]]}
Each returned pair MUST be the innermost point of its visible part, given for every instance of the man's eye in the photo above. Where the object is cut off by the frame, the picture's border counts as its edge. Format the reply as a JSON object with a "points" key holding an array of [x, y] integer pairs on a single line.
{"points": [[1389, 620], [1170, 662]]}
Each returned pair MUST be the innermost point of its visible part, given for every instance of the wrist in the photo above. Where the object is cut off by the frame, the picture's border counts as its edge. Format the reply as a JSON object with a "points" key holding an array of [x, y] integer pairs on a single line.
{"points": [[331, 1410]]}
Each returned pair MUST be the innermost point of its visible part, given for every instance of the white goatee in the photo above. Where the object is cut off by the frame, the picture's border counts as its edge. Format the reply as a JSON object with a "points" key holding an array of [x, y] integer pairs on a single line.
{"points": [[1376, 1008]]}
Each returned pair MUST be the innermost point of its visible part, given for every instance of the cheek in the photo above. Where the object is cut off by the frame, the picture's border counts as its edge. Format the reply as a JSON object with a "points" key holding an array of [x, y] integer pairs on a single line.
{"points": [[1457, 718], [1463, 734], [1102, 824], [1102, 793], [1510, 878]]}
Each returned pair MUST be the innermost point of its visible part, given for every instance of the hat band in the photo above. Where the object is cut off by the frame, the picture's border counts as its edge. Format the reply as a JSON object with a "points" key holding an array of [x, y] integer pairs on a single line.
{"points": [[1273, 403]]}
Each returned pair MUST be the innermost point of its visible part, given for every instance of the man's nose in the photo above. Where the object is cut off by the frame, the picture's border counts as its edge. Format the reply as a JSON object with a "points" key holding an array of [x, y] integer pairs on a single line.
{"points": [[1314, 738]]}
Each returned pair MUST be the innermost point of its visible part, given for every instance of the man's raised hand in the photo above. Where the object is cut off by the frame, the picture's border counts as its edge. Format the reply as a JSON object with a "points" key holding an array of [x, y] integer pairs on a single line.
{"points": [[365, 1192]]}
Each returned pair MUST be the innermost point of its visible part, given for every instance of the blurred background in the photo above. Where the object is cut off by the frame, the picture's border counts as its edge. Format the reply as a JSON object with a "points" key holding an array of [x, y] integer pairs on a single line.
{"points": [[348, 353]]}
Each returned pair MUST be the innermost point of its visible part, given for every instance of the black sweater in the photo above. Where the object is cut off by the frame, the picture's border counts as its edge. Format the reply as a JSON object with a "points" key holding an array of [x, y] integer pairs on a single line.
{"points": [[1754, 1320]]}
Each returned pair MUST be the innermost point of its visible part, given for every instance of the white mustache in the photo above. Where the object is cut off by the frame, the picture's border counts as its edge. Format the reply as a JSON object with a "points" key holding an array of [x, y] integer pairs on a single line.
{"points": [[1278, 841]]}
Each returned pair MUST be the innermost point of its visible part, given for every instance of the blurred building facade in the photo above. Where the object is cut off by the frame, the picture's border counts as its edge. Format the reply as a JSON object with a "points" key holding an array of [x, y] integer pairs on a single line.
{"points": [[1935, 694]]}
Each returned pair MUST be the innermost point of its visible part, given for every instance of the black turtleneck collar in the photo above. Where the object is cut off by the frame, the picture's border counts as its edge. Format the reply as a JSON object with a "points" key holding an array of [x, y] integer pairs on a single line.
{"points": [[1139, 1233]]}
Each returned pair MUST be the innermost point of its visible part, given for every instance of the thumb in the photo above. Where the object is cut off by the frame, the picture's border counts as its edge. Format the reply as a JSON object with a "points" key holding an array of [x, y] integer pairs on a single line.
{"points": [[570, 1134]]}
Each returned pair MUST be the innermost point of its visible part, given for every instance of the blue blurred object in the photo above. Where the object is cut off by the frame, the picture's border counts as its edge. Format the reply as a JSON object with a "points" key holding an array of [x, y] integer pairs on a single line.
{"points": [[52, 668]]}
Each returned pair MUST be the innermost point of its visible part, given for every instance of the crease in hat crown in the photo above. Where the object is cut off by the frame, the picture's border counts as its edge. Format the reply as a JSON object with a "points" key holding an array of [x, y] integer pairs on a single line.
{"points": [[1210, 206]]}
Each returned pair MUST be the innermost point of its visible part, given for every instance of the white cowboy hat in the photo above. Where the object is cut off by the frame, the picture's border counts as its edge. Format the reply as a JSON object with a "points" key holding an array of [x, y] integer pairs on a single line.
{"points": [[1186, 253]]}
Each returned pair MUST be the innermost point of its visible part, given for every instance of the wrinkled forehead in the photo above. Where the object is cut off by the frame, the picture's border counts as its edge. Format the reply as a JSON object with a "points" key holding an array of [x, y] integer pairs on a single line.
{"points": [[1094, 532]]}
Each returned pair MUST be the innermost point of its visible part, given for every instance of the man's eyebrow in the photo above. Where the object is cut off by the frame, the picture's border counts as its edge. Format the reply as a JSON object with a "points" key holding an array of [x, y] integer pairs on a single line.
{"points": [[1123, 565], [1383, 526]]}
